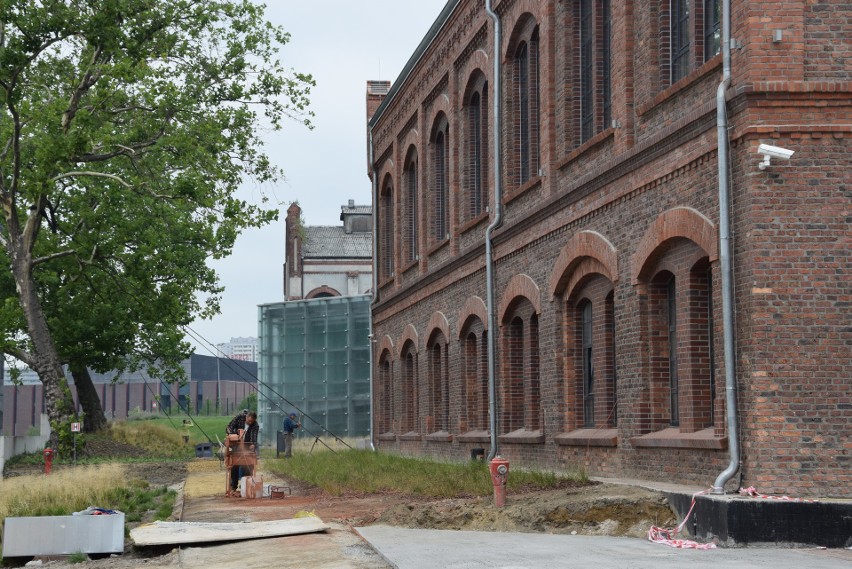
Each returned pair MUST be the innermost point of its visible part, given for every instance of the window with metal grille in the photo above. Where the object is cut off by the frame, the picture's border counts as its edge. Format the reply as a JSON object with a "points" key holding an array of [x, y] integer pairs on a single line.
{"points": [[587, 79], [522, 67], [712, 28], [587, 345], [476, 154], [606, 62], [387, 232], [671, 309], [680, 38], [440, 189], [411, 207]]}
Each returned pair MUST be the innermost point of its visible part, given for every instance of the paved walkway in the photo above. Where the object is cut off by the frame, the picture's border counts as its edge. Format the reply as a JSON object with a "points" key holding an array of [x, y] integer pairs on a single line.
{"points": [[428, 549]]}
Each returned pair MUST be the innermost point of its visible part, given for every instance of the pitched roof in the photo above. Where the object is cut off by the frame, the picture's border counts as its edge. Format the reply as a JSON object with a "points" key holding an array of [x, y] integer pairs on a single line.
{"points": [[331, 241], [356, 209]]}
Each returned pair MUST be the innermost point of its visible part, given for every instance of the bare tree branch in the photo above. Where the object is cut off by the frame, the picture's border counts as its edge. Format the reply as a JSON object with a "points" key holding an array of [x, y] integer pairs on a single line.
{"points": [[58, 255], [95, 174], [22, 355]]}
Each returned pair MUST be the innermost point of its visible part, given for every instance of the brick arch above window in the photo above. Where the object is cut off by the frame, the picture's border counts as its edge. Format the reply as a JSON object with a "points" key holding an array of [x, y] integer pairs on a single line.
{"points": [[440, 107], [322, 291], [583, 245], [476, 70], [386, 345], [409, 335], [678, 222], [520, 286], [524, 18], [410, 140], [438, 321], [474, 307]]}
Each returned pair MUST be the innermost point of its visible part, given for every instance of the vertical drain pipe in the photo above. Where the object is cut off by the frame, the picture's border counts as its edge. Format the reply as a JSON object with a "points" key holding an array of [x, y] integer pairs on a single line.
{"points": [[725, 258], [495, 223], [374, 191]]}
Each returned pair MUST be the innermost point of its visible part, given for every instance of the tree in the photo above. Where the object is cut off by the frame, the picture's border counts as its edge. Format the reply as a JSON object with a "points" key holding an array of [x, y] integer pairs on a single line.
{"points": [[126, 128]]}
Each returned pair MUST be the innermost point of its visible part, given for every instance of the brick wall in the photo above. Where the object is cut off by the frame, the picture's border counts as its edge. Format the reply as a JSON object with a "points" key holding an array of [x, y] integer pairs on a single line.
{"points": [[610, 221]]}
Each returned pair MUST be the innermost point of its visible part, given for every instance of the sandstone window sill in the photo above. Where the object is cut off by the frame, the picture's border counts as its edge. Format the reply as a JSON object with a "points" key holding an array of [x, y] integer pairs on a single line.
{"points": [[410, 436], [682, 84], [387, 437], [530, 184], [474, 437], [437, 247], [410, 265], [522, 437], [672, 438], [473, 223], [588, 438], [439, 437], [596, 140]]}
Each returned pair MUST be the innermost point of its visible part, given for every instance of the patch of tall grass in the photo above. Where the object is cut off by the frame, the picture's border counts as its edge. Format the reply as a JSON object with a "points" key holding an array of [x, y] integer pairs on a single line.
{"points": [[363, 471], [62, 492], [156, 439]]}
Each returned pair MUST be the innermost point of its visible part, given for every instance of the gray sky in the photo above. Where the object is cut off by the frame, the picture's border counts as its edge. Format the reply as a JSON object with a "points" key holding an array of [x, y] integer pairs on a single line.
{"points": [[342, 44]]}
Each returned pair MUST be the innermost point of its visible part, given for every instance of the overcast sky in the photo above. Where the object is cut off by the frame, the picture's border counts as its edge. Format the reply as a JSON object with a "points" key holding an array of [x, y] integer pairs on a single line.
{"points": [[342, 44]]}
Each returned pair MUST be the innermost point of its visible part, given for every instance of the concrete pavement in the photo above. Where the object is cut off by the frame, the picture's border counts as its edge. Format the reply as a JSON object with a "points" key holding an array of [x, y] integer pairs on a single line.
{"points": [[427, 549]]}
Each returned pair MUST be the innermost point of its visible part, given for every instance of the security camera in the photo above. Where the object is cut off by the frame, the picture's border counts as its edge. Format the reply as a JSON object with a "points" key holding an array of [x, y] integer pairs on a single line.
{"points": [[768, 151]]}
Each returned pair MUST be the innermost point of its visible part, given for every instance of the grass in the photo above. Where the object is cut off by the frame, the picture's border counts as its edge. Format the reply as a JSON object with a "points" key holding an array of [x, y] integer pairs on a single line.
{"points": [[77, 557], [200, 424], [74, 489], [364, 471]]}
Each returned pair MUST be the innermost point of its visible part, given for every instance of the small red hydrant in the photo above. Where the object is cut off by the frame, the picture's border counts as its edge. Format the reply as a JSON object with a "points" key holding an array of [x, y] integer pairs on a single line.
{"points": [[48, 459], [499, 468]]}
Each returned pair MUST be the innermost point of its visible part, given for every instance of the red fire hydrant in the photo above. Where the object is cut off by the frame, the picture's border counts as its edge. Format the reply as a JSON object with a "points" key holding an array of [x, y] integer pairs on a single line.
{"points": [[48, 459], [499, 468]]}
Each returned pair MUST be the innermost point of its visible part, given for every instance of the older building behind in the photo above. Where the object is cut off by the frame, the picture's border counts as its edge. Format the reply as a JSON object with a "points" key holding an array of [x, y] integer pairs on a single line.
{"points": [[329, 260], [608, 293]]}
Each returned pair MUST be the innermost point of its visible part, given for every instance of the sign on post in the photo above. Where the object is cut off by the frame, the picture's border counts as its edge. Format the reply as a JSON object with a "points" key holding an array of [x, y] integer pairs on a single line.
{"points": [[75, 427]]}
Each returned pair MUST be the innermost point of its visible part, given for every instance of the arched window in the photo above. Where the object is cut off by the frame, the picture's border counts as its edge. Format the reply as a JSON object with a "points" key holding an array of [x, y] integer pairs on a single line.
{"points": [[410, 215], [476, 148], [387, 236], [384, 422], [408, 416], [440, 181], [521, 386], [527, 122], [474, 345], [439, 382]]}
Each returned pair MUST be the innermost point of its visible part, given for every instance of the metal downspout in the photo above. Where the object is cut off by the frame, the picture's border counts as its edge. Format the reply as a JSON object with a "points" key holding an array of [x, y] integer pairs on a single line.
{"points": [[725, 258], [495, 223], [372, 336]]}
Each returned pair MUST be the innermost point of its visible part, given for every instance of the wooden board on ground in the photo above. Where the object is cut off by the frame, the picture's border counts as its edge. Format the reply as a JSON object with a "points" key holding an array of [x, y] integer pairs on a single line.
{"points": [[176, 533]]}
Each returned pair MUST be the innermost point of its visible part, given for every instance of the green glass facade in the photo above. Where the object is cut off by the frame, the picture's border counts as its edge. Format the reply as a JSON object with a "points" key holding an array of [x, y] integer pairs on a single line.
{"points": [[315, 358]]}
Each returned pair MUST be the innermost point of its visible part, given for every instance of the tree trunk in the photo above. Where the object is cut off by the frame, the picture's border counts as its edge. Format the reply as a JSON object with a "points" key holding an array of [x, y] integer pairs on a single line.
{"points": [[45, 357], [94, 419]]}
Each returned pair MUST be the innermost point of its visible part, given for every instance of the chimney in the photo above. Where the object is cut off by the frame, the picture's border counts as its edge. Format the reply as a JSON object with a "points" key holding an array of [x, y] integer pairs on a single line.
{"points": [[376, 93], [351, 204], [292, 248]]}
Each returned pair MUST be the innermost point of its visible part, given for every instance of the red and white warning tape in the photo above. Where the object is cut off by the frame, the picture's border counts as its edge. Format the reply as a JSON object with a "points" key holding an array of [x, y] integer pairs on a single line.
{"points": [[667, 536], [752, 491]]}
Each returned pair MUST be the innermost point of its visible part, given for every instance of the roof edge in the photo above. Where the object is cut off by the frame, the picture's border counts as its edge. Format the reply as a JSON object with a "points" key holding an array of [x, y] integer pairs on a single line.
{"points": [[436, 28]]}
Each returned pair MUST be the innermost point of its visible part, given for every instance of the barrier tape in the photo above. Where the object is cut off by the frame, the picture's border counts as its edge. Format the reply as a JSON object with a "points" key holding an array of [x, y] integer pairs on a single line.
{"points": [[752, 492], [667, 536]]}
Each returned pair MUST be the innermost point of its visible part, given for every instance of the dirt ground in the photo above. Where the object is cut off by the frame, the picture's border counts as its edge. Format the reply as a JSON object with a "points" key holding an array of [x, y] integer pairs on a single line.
{"points": [[598, 509]]}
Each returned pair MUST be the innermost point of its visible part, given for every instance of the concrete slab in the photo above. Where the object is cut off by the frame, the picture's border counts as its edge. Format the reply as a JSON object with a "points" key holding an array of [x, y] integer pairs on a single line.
{"points": [[177, 533], [426, 549]]}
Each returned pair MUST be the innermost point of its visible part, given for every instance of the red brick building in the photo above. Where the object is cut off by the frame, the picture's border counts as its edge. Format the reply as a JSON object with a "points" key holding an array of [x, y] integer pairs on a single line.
{"points": [[607, 279]]}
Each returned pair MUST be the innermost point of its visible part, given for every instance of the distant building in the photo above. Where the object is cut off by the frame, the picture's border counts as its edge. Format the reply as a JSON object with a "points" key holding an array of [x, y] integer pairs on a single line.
{"points": [[244, 349], [329, 260], [213, 386]]}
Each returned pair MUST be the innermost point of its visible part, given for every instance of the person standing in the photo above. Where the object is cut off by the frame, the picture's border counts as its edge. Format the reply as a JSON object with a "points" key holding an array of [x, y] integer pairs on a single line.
{"points": [[290, 425], [245, 426]]}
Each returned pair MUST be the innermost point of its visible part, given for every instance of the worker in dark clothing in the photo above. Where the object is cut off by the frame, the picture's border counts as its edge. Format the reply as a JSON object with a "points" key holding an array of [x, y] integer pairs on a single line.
{"points": [[245, 426], [290, 425]]}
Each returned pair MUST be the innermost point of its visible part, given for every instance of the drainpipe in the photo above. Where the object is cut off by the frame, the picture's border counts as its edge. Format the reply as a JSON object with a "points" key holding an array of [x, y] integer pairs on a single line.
{"points": [[374, 196], [725, 258], [495, 223]]}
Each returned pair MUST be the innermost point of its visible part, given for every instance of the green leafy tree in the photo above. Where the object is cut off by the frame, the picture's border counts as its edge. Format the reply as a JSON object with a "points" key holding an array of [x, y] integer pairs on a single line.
{"points": [[126, 128]]}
